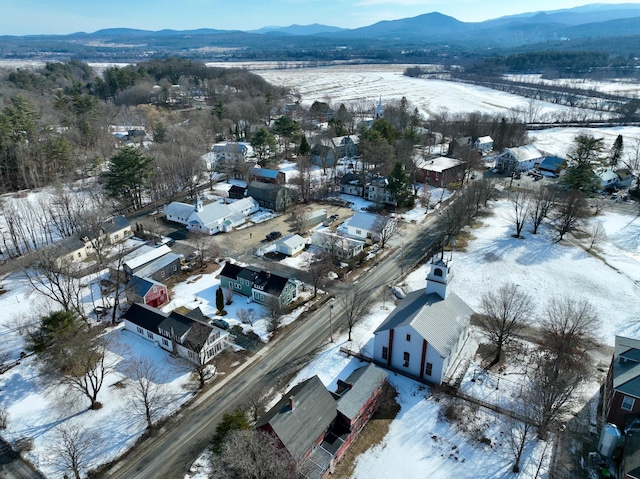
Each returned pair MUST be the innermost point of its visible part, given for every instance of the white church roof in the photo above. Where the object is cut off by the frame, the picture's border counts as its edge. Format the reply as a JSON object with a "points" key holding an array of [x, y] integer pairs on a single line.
{"points": [[437, 320]]}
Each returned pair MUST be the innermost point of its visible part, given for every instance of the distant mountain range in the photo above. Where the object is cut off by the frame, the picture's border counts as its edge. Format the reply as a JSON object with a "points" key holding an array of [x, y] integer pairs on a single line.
{"points": [[592, 26]]}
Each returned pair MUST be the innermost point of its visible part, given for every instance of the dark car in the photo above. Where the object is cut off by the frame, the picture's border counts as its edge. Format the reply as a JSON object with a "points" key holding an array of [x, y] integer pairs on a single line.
{"points": [[220, 323], [273, 235]]}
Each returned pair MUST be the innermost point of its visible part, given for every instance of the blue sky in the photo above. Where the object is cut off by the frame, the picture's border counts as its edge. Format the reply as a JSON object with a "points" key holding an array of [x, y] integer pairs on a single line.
{"points": [[22, 17]]}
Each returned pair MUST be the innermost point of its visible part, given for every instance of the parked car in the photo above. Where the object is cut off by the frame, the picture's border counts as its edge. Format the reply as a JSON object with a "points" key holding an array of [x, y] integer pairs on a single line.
{"points": [[330, 220], [165, 240], [220, 323], [274, 235]]}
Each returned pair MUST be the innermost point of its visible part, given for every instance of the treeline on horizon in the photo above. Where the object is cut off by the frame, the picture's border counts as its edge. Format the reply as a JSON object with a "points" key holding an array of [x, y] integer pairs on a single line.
{"points": [[550, 64]]}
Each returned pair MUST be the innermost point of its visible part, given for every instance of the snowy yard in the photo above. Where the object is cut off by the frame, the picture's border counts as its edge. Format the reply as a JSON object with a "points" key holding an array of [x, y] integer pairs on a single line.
{"points": [[39, 411]]}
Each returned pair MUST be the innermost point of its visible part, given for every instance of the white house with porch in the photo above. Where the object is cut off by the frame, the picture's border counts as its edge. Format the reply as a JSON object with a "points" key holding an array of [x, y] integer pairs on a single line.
{"points": [[425, 333]]}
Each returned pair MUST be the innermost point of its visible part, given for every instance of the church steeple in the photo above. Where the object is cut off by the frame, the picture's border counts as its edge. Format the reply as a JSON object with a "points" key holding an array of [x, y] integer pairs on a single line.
{"points": [[379, 109], [439, 277]]}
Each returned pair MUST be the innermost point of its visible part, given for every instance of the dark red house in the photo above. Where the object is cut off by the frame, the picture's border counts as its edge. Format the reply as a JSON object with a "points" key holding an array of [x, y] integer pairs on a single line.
{"points": [[147, 291], [439, 171], [315, 426]]}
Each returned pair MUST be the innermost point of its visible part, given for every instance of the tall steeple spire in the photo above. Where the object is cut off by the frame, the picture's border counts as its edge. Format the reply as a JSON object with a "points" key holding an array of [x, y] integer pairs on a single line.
{"points": [[379, 109]]}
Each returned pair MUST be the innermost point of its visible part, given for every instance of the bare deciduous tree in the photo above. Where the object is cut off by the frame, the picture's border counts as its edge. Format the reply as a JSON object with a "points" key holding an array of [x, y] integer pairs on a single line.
{"points": [[355, 305], [318, 267], [74, 449], [384, 228], [521, 203], [78, 360], [247, 316], [542, 201], [275, 312], [148, 395], [303, 182], [504, 313], [252, 454], [553, 385], [520, 434], [597, 234], [299, 217], [53, 276], [254, 404], [571, 210], [569, 328]]}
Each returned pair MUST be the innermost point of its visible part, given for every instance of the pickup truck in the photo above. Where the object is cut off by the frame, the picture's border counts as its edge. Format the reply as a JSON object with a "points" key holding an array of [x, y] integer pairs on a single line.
{"points": [[274, 235]]}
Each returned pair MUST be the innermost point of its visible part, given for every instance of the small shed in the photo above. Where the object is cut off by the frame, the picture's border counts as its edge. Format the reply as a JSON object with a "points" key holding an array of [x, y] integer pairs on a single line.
{"points": [[290, 245]]}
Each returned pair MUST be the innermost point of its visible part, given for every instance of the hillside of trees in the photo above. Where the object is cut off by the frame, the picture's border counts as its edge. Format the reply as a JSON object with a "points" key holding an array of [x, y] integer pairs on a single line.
{"points": [[57, 122]]}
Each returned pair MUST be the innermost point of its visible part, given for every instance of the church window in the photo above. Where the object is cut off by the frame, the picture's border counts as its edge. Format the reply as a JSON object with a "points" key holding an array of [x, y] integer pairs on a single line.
{"points": [[437, 272], [428, 369]]}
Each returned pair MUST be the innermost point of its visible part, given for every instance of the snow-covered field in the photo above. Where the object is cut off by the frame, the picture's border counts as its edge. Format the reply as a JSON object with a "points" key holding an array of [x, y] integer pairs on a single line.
{"points": [[625, 87], [367, 84]]}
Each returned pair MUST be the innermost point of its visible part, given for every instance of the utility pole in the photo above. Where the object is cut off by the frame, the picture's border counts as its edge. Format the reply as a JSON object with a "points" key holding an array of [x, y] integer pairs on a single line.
{"points": [[331, 322]]}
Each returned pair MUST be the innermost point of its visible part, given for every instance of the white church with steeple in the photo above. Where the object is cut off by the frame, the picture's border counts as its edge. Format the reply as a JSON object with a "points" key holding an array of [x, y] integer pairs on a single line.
{"points": [[424, 334]]}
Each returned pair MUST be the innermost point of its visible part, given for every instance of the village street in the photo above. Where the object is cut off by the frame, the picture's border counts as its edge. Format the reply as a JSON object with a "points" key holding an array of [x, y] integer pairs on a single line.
{"points": [[168, 452]]}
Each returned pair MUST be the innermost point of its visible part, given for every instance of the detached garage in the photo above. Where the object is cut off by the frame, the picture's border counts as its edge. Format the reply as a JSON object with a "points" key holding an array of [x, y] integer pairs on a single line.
{"points": [[291, 245]]}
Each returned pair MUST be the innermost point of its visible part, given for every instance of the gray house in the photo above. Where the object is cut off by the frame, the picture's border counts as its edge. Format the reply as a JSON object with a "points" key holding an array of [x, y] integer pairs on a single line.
{"points": [[352, 184], [161, 268], [270, 196]]}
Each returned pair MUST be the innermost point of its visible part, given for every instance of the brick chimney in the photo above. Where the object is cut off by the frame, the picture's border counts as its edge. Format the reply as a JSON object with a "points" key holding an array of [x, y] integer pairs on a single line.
{"points": [[292, 402]]}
